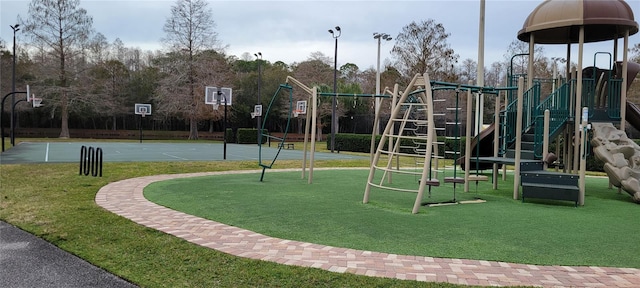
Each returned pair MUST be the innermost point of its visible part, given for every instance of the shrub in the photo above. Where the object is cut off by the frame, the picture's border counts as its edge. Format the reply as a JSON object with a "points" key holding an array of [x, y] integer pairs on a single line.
{"points": [[249, 136]]}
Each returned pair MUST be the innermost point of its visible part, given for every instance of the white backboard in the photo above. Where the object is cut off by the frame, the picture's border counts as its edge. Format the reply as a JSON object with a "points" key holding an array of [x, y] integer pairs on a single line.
{"points": [[302, 106], [141, 109], [212, 97]]}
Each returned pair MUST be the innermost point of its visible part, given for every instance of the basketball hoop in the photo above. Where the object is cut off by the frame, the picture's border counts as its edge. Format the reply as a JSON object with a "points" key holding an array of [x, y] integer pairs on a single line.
{"points": [[296, 112], [37, 102], [215, 106], [253, 115], [143, 114]]}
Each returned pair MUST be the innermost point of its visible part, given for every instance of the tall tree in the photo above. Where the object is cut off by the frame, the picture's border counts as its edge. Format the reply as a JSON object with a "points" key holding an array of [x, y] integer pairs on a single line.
{"points": [[189, 32], [422, 47], [63, 27]]}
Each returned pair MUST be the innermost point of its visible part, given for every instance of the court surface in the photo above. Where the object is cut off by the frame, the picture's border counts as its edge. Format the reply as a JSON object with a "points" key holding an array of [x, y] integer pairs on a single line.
{"points": [[61, 152]]}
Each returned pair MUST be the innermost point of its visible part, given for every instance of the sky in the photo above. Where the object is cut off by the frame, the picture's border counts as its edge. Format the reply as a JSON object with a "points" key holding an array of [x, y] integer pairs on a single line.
{"points": [[290, 31]]}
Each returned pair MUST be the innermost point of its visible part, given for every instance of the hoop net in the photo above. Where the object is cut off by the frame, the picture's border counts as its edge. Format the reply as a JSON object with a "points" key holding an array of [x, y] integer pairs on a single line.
{"points": [[215, 106], [143, 114], [296, 113], [253, 115], [36, 102]]}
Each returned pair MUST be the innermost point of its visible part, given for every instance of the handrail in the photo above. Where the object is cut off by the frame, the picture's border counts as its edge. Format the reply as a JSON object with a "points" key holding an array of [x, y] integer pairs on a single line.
{"points": [[559, 112]]}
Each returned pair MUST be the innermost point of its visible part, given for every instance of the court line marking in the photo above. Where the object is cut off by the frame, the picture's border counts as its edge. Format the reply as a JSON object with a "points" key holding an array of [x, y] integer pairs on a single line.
{"points": [[46, 154], [177, 157]]}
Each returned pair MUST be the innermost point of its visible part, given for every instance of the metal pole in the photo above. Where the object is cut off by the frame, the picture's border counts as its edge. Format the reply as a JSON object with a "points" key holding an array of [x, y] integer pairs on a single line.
{"points": [[224, 126], [13, 84], [378, 36], [335, 100], [335, 89], [377, 100], [259, 55], [2, 114]]}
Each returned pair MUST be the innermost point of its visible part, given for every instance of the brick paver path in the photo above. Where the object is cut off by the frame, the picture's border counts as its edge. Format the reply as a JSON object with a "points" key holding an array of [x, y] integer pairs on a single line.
{"points": [[125, 198]]}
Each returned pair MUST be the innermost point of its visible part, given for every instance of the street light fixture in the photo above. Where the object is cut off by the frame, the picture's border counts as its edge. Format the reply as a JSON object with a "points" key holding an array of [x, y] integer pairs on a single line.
{"points": [[259, 57], [379, 37], [335, 35], [13, 82]]}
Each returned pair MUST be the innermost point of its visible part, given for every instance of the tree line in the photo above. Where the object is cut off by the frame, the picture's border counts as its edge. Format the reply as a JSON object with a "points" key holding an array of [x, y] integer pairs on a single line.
{"points": [[89, 82]]}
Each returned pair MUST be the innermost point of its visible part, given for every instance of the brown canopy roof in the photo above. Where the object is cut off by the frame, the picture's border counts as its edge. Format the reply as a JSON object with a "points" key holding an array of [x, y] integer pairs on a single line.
{"points": [[559, 21]]}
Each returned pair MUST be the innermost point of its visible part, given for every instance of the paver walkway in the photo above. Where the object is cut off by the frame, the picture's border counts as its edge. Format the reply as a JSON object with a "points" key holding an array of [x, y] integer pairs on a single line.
{"points": [[126, 198]]}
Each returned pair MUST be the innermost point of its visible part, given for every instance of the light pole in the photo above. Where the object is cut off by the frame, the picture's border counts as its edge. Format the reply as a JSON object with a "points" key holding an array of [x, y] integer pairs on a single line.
{"points": [[13, 81], [379, 37], [335, 35], [259, 59]]}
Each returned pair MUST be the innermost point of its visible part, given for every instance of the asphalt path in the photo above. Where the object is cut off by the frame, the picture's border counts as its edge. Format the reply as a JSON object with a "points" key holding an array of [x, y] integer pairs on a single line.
{"points": [[28, 261]]}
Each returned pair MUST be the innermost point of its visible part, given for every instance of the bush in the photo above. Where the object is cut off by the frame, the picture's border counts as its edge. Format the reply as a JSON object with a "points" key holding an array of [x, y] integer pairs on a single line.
{"points": [[230, 136], [249, 136]]}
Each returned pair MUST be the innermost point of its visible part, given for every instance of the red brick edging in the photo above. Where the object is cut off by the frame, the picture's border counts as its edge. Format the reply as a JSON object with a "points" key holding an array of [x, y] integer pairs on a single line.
{"points": [[125, 198]]}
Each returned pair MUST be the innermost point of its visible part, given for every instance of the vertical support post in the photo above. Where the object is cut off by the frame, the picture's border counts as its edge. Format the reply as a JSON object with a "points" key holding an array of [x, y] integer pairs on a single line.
{"points": [[625, 67], [140, 128], [516, 172], [394, 103], [314, 122], [480, 70], [576, 141], [530, 70], [467, 144], [545, 137], [583, 154]]}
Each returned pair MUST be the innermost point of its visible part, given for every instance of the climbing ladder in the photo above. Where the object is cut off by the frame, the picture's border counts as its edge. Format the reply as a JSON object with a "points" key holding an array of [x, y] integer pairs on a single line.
{"points": [[414, 109], [454, 125]]}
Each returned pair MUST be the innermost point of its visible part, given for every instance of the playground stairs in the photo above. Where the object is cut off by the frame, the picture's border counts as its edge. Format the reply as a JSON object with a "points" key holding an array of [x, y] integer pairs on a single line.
{"points": [[527, 148], [538, 183]]}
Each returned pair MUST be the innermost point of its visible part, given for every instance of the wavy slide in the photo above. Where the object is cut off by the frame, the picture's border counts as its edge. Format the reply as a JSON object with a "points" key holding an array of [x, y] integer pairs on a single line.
{"points": [[621, 156]]}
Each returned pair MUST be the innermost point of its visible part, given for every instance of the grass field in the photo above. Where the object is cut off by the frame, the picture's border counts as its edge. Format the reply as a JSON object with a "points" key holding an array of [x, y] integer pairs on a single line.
{"points": [[54, 203]]}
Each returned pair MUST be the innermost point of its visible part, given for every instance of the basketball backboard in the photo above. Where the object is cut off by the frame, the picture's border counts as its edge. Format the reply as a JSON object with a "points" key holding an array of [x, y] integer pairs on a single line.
{"points": [[212, 97], [143, 109], [302, 107]]}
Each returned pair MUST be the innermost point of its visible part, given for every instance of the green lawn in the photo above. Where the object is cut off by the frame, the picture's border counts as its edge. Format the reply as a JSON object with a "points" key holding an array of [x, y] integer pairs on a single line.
{"points": [[330, 211], [52, 202]]}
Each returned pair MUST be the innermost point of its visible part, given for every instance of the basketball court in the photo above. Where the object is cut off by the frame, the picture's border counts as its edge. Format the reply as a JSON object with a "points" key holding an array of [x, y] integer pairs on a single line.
{"points": [[68, 152]]}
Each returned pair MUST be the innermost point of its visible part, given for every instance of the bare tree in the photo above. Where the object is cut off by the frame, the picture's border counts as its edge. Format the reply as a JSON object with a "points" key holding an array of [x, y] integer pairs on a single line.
{"points": [[635, 53], [110, 80], [468, 70], [422, 47], [98, 49], [63, 27], [189, 32]]}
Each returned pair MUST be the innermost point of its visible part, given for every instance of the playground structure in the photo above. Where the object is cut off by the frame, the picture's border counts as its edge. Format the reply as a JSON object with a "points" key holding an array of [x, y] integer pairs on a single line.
{"points": [[412, 132], [523, 130], [311, 121], [528, 121]]}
